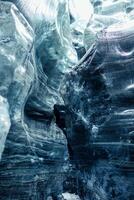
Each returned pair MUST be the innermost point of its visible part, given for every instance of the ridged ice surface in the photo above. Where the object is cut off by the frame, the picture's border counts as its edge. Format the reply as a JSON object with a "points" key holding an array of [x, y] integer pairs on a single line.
{"points": [[99, 113], [107, 13], [35, 146], [16, 40], [66, 100]]}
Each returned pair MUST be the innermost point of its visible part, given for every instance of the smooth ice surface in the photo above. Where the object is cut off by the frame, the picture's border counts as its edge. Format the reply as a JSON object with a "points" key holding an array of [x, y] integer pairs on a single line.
{"points": [[81, 13], [4, 122]]}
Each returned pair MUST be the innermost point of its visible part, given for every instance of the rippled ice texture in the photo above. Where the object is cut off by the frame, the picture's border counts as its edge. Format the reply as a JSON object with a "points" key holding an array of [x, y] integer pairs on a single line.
{"points": [[66, 100]]}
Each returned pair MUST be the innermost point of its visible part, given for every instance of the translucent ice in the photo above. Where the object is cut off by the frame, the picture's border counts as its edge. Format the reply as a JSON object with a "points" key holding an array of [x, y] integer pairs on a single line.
{"points": [[99, 113], [81, 13], [66, 128], [107, 13], [4, 122], [16, 39], [55, 54], [35, 146]]}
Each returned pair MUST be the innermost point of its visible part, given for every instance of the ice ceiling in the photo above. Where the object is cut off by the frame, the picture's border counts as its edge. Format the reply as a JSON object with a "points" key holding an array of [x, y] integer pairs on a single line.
{"points": [[66, 100]]}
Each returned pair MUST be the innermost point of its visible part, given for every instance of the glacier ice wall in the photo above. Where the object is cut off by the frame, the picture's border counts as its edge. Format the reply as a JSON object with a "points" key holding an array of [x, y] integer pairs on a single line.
{"points": [[66, 99], [35, 146], [16, 41], [98, 120]]}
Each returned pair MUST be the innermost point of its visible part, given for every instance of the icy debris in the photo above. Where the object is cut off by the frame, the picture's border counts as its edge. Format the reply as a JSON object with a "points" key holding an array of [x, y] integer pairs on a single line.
{"points": [[68, 196]]}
